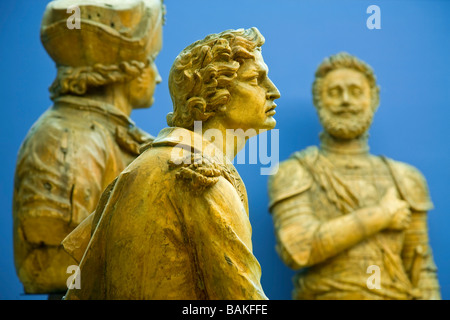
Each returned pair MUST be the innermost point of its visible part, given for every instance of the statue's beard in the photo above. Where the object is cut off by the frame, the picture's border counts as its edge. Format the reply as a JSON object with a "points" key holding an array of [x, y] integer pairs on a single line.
{"points": [[349, 126]]}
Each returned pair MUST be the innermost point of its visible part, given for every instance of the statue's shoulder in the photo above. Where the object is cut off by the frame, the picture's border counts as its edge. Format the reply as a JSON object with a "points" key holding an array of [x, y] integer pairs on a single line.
{"points": [[292, 177], [56, 128], [307, 156], [411, 184], [197, 171]]}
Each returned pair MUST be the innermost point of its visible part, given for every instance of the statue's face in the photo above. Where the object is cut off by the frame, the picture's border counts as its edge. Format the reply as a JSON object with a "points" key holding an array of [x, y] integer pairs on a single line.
{"points": [[252, 97], [142, 88], [345, 104]]}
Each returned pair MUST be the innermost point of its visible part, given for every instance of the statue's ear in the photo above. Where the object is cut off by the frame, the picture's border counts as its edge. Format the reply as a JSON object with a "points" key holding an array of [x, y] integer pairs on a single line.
{"points": [[376, 98], [169, 119]]}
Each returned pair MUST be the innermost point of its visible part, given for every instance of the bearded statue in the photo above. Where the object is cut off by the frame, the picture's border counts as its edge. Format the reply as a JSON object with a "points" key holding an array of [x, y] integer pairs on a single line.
{"points": [[353, 223]]}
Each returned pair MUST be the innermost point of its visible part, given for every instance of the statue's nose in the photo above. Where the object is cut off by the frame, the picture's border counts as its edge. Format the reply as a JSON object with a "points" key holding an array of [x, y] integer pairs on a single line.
{"points": [[273, 92], [158, 78], [345, 99]]}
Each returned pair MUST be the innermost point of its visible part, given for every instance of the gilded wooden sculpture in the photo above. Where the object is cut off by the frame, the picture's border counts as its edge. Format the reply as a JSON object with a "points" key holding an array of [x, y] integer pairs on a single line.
{"points": [[344, 216], [175, 224], [105, 69]]}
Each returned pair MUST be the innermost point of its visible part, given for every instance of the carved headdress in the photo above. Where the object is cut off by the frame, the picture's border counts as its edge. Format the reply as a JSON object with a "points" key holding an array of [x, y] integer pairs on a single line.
{"points": [[111, 31]]}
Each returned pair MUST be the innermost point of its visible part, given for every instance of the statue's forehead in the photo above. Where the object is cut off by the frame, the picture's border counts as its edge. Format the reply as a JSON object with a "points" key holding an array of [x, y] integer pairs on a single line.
{"points": [[257, 64], [345, 76]]}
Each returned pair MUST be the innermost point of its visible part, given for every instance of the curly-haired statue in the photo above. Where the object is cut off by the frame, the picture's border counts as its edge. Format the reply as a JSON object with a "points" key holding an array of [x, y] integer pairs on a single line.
{"points": [[105, 69], [175, 224], [354, 223]]}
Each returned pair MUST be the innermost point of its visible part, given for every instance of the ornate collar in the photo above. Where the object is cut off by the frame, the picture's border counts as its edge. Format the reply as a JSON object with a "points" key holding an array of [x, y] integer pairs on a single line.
{"points": [[83, 103], [358, 146]]}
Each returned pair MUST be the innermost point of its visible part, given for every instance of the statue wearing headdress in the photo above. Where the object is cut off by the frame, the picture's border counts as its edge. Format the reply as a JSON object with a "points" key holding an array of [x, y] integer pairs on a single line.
{"points": [[105, 69]]}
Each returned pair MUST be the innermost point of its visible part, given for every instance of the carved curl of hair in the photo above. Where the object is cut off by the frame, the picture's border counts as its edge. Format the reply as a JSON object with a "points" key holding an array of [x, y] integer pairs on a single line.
{"points": [[344, 60], [202, 72], [78, 80]]}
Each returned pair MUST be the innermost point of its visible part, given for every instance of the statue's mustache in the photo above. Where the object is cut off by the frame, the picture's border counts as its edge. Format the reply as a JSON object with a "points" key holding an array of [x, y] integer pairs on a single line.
{"points": [[345, 109]]}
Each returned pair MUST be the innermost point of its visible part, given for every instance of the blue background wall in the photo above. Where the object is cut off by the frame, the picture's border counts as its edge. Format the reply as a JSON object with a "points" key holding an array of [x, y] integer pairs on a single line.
{"points": [[409, 55]]}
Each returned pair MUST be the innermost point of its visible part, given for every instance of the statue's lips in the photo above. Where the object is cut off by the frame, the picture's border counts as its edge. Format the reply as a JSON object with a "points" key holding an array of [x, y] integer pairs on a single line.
{"points": [[346, 113], [271, 110]]}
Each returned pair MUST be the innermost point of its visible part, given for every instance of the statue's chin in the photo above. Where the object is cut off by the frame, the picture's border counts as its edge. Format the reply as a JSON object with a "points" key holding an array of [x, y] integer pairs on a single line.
{"points": [[345, 129], [344, 134]]}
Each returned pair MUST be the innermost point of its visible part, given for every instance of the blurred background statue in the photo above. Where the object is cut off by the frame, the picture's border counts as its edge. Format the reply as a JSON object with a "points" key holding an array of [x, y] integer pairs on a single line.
{"points": [[105, 69], [354, 223]]}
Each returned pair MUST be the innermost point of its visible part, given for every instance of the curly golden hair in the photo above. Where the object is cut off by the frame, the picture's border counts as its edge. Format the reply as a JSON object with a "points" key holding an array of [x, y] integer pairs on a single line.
{"points": [[202, 72], [78, 80]]}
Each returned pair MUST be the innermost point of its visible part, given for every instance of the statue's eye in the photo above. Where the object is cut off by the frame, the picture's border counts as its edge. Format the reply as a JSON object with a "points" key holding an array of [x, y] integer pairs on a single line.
{"points": [[356, 91], [334, 92], [253, 79]]}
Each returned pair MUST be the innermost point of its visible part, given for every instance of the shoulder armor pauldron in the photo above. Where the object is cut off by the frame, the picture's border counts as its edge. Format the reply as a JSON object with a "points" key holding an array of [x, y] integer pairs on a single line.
{"points": [[132, 139], [200, 171], [411, 185], [293, 177]]}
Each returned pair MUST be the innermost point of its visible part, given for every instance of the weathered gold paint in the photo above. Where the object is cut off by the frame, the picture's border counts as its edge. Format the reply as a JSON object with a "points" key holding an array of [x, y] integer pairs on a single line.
{"points": [[339, 210], [81, 143], [175, 223]]}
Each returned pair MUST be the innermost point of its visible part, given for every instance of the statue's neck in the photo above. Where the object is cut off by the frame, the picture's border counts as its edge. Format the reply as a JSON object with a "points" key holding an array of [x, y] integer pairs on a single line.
{"points": [[333, 145], [115, 95], [230, 142]]}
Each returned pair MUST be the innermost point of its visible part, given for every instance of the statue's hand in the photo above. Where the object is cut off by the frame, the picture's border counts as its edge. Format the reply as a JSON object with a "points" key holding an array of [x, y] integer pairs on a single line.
{"points": [[398, 210]]}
